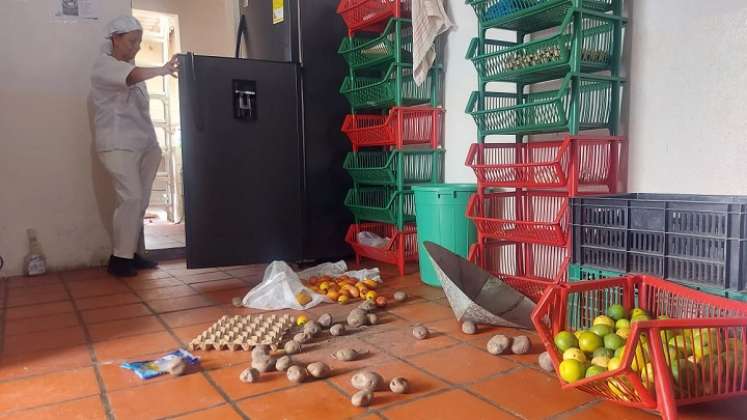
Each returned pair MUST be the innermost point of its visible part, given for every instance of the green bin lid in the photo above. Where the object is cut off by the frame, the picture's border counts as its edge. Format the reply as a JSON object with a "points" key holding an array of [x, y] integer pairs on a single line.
{"points": [[445, 188]]}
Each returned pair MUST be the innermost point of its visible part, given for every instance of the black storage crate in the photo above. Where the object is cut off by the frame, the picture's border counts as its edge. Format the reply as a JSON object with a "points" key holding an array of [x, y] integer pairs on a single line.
{"points": [[694, 239]]}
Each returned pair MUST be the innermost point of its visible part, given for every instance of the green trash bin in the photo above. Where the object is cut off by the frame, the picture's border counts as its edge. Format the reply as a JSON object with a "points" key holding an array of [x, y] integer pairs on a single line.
{"points": [[440, 217]]}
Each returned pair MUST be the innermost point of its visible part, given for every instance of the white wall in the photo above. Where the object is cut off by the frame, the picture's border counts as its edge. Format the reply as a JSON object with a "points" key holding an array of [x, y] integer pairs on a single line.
{"points": [[49, 178]]}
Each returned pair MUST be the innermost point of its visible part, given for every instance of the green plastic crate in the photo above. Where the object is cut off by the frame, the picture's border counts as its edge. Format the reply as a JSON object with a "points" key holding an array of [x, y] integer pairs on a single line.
{"points": [[394, 45], [396, 88], [381, 204], [530, 15], [547, 111], [547, 58], [397, 168]]}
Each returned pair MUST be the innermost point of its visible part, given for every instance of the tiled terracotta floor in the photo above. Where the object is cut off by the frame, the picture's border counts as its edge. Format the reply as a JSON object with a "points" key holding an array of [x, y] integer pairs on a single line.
{"points": [[65, 335]]}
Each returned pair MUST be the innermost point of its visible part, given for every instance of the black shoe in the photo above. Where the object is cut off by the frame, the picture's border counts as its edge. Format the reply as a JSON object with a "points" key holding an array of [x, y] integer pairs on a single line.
{"points": [[142, 263], [121, 267]]}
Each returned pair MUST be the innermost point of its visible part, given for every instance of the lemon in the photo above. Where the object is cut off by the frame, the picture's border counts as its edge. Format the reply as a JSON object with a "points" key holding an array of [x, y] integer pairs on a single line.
{"points": [[614, 363], [575, 354], [571, 370], [301, 319], [637, 311], [604, 320], [602, 361], [589, 341], [565, 340], [622, 323], [619, 353], [640, 317], [623, 332], [594, 370], [603, 352], [601, 329]]}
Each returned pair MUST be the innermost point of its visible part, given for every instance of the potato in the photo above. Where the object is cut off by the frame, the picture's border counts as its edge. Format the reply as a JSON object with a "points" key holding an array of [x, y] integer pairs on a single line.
{"points": [[357, 318], [400, 296], [249, 375], [469, 327], [318, 370], [372, 319], [521, 345], [337, 329], [283, 363], [367, 305], [325, 320], [302, 338], [420, 332], [498, 344], [297, 374], [545, 362], [361, 398], [399, 385], [312, 328], [237, 302], [347, 355], [263, 363], [260, 350], [366, 380], [292, 347]]}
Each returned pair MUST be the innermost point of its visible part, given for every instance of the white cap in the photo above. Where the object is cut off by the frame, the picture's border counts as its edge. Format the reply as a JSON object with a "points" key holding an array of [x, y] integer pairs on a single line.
{"points": [[122, 25]]}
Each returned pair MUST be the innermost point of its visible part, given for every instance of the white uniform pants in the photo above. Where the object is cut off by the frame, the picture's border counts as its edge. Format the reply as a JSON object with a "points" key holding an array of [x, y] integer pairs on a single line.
{"points": [[132, 173]]}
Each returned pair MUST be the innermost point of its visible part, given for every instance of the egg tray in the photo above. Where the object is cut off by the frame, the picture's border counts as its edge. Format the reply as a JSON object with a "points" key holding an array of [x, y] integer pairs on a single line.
{"points": [[243, 332]]}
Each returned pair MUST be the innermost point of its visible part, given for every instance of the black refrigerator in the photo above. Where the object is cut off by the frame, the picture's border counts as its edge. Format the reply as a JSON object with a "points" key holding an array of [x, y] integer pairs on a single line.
{"points": [[261, 143]]}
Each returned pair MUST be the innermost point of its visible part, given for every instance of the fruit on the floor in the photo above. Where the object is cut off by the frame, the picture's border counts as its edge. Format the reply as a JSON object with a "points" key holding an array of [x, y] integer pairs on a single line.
{"points": [[292, 347], [372, 319], [604, 320], [601, 329], [302, 337], [613, 341], [617, 312], [399, 385], [347, 355], [498, 344], [469, 327], [297, 374], [343, 299], [400, 296], [420, 332], [312, 328], [337, 329], [381, 301], [333, 295], [589, 341], [545, 362], [283, 363], [521, 345], [318, 370], [367, 380], [594, 370], [371, 295], [574, 354], [325, 320], [357, 318], [249, 375], [361, 398], [571, 370], [565, 340], [371, 283], [301, 319], [303, 298], [263, 363], [237, 302]]}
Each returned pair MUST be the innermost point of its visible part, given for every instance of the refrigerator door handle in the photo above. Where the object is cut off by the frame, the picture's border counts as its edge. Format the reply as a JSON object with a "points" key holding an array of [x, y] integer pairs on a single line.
{"points": [[197, 117]]}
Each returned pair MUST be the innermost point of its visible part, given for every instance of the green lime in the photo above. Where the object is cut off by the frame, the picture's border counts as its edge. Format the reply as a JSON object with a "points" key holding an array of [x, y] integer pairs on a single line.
{"points": [[622, 323], [613, 341], [619, 352], [603, 352], [571, 370], [594, 370], [617, 312], [565, 340], [601, 330], [590, 342]]}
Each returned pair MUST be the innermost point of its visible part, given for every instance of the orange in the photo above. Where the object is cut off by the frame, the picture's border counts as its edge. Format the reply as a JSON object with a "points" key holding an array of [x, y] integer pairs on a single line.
{"points": [[332, 294], [371, 295], [343, 299], [370, 283]]}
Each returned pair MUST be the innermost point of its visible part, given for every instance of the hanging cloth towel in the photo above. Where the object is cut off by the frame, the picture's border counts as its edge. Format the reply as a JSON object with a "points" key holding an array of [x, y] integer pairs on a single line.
{"points": [[429, 20]]}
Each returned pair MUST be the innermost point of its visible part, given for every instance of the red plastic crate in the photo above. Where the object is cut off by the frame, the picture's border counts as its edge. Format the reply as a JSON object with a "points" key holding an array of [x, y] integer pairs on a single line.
{"points": [[403, 126], [577, 164], [402, 246], [371, 15], [539, 217], [649, 377], [528, 268]]}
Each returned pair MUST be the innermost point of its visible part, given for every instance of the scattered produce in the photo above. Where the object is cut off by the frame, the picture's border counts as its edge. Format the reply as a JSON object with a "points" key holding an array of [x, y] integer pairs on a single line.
{"points": [[260, 350], [372, 319], [297, 374], [469, 327], [337, 329], [367, 306], [237, 302], [357, 318], [249, 375], [283, 363], [399, 385], [292, 347], [367, 380], [301, 319], [343, 299], [381, 302], [325, 320], [312, 328], [498, 344], [303, 298], [545, 362], [371, 295], [263, 363], [302, 337], [347, 355], [318, 370], [420, 332], [521, 345], [361, 398], [400, 296]]}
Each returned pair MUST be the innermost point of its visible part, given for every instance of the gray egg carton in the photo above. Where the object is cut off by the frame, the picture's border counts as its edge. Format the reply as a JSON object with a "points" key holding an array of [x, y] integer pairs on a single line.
{"points": [[243, 332]]}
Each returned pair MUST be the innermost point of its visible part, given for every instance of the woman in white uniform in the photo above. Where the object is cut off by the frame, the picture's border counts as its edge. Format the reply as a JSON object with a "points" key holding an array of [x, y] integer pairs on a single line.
{"points": [[126, 139]]}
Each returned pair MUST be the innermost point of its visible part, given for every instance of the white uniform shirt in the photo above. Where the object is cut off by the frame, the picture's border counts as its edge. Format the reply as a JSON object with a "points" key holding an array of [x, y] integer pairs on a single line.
{"points": [[122, 118]]}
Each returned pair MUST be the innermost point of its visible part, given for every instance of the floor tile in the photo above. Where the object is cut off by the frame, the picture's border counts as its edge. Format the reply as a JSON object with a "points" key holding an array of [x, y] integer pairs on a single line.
{"points": [[530, 393], [39, 310], [95, 288], [41, 323], [151, 274], [47, 389], [186, 334], [193, 316], [145, 284], [166, 292], [401, 343], [45, 361], [224, 297], [130, 347], [228, 380], [168, 398], [86, 274], [178, 304], [420, 383], [300, 402], [244, 271], [57, 287], [214, 286], [36, 281], [481, 339], [734, 408], [114, 313], [124, 328], [223, 412], [321, 350], [96, 302], [455, 404], [462, 364], [44, 340], [197, 278], [422, 312], [211, 360], [35, 299], [608, 410], [88, 408]]}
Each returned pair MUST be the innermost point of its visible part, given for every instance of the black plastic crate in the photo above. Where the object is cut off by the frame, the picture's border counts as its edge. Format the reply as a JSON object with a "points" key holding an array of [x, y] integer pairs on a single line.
{"points": [[700, 239]]}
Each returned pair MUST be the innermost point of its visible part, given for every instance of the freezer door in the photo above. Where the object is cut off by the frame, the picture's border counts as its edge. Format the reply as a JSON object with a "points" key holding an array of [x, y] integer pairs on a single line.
{"points": [[242, 160], [267, 39]]}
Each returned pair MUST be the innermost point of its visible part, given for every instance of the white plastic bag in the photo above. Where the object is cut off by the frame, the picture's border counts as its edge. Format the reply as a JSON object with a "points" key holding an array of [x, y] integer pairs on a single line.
{"points": [[371, 239], [340, 268], [278, 290]]}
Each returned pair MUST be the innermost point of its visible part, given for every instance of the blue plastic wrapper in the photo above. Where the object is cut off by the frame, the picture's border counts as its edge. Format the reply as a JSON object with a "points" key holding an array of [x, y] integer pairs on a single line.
{"points": [[151, 368]]}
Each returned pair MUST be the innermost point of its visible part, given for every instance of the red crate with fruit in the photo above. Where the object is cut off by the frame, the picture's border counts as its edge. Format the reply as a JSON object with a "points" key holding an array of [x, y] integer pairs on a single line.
{"points": [[645, 342]]}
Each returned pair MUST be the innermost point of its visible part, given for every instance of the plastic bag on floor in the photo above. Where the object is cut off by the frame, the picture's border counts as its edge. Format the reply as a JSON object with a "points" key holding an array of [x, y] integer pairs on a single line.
{"points": [[340, 268], [279, 289], [371, 239]]}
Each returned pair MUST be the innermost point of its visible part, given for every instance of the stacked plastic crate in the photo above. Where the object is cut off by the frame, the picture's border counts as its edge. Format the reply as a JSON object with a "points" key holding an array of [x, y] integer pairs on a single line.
{"points": [[562, 76], [394, 127]]}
